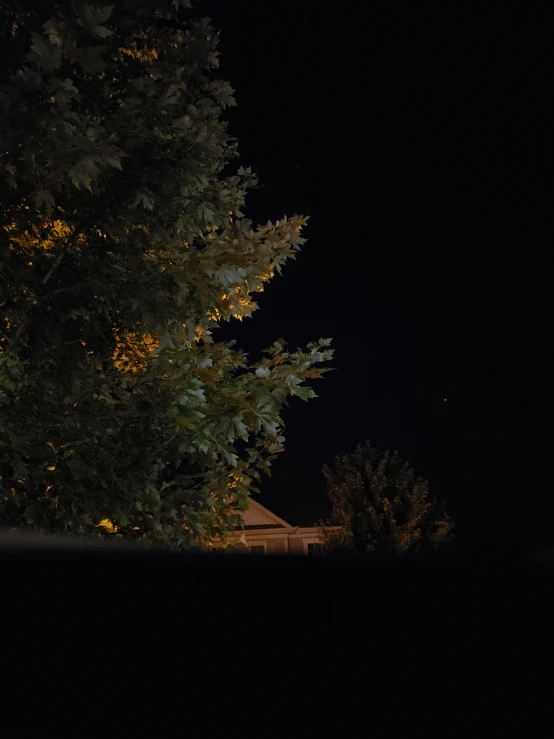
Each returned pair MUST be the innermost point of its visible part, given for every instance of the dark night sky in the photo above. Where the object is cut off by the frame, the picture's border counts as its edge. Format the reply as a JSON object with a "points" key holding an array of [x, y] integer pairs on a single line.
{"points": [[417, 143]]}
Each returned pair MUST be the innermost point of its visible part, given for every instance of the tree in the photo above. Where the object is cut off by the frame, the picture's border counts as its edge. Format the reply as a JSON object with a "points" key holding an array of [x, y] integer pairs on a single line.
{"points": [[122, 245], [381, 506]]}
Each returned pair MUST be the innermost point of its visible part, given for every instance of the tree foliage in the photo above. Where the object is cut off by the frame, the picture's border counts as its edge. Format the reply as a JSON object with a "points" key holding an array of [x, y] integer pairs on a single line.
{"points": [[123, 245], [381, 505]]}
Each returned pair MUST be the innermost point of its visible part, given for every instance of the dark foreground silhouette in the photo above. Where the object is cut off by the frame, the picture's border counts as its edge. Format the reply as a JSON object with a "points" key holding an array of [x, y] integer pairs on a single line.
{"points": [[93, 578]]}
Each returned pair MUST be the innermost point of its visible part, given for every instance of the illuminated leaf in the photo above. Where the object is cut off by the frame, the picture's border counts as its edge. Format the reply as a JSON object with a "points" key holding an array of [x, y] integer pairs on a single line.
{"points": [[54, 29], [304, 392], [114, 162], [207, 378], [241, 429], [230, 458]]}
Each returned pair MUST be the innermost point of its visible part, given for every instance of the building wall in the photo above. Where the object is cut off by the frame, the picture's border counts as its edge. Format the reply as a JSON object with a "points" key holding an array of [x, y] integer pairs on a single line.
{"points": [[285, 541], [296, 545], [276, 546]]}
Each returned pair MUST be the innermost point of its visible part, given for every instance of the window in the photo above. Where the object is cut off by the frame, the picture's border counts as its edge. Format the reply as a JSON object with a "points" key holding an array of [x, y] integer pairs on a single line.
{"points": [[314, 548], [257, 549]]}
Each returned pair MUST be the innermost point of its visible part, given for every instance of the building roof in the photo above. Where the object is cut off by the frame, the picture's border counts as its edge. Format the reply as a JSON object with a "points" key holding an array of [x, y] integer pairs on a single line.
{"points": [[259, 517]]}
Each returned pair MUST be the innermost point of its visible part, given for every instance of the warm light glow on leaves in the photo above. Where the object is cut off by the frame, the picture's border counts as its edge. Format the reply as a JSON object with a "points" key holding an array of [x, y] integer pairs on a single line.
{"points": [[106, 524], [132, 351], [46, 238], [143, 55]]}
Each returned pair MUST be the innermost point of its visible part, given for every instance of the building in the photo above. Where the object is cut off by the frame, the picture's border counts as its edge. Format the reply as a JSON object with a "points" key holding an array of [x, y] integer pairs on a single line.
{"points": [[266, 533]]}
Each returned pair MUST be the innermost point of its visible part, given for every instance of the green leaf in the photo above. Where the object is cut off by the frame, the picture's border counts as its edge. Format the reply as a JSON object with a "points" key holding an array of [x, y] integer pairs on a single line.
{"points": [[231, 458], [114, 162], [54, 30], [183, 422], [144, 198], [79, 177], [45, 197], [101, 31], [122, 518], [201, 441], [198, 393], [93, 15], [68, 86], [240, 428], [303, 392]]}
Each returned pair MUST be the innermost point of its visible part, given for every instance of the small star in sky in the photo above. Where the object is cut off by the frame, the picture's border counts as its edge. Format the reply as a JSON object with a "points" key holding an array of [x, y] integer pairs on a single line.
{"points": [[445, 399]]}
